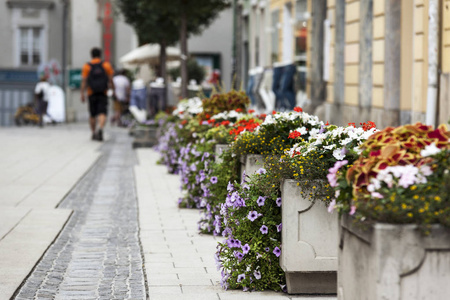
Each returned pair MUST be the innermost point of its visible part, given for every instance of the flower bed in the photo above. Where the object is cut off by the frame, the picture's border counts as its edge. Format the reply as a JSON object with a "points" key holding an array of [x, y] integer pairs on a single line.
{"points": [[397, 194]]}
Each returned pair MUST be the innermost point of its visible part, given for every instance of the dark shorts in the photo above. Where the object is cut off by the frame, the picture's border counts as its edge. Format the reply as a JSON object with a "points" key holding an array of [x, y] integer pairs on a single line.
{"points": [[98, 104]]}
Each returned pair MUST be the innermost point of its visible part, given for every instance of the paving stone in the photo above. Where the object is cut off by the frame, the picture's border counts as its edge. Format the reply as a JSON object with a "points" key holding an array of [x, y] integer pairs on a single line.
{"points": [[97, 254]]}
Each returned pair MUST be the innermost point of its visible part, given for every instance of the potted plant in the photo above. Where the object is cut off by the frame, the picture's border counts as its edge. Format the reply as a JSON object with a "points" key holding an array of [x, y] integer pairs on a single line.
{"points": [[271, 137], [395, 207], [310, 233]]}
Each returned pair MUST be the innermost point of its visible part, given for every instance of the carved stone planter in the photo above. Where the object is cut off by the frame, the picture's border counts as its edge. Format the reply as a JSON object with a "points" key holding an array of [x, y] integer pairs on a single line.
{"points": [[219, 149], [309, 243], [251, 163], [395, 262]]}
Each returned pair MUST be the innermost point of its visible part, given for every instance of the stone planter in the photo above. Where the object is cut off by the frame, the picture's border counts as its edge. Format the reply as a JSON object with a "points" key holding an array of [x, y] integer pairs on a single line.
{"points": [[218, 150], [144, 136], [309, 243], [395, 262], [251, 163]]}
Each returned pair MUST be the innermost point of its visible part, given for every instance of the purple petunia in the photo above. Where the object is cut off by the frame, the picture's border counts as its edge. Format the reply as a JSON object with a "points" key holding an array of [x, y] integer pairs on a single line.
{"points": [[253, 215], [238, 255], [264, 229], [279, 227], [261, 171], [277, 251], [240, 277], [257, 275], [261, 201], [267, 249], [213, 179], [245, 248], [278, 201], [230, 187]]}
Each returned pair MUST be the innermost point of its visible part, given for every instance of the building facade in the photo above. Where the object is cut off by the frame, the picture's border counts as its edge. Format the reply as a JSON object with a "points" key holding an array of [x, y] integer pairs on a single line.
{"points": [[54, 37], [356, 60]]}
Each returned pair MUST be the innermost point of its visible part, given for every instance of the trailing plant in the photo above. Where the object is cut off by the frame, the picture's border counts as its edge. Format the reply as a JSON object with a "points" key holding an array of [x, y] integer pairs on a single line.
{"points": [[248, 258], [402, 176]]}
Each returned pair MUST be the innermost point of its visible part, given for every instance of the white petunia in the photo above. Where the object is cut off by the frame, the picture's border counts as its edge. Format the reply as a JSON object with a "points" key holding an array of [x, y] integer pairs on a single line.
{"points": [[338, 154], [430, 150]]}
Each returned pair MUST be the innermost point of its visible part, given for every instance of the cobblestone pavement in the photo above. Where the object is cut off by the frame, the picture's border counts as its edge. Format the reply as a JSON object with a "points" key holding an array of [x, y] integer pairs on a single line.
{"points": [[97, 255]]}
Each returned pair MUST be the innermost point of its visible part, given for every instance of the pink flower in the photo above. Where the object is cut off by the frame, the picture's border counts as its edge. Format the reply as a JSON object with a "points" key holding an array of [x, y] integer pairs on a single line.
{"points": [[352, 210], [332, 179], [332, 206], [377, 195]]}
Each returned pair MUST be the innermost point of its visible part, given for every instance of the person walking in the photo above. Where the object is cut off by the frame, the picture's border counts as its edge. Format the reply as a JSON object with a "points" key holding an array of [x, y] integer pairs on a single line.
{"points": [[122, 90], [97, 78], [41, 95]]}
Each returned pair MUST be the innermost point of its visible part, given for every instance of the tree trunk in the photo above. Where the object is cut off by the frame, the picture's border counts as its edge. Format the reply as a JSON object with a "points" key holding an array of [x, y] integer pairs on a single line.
{"points": [[184, 52], [162, 61]]}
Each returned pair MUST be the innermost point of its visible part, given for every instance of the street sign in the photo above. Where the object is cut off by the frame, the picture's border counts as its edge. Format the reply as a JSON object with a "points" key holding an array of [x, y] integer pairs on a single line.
{"points": [[75, 78]]}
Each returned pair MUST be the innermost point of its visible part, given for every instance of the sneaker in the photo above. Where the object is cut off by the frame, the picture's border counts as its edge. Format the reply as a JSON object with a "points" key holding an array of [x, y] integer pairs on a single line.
{"points": [[100, 135], [94, 136]]}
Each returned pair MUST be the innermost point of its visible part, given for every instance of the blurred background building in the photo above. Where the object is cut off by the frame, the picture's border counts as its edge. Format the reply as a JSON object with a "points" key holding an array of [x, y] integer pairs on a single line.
{"points": [[355, 60]]}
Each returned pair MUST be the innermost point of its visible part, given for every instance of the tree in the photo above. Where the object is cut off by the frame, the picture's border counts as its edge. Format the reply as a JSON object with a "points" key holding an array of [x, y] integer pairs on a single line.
{"points": [[165, 22], [152, 25], [194, 17]]}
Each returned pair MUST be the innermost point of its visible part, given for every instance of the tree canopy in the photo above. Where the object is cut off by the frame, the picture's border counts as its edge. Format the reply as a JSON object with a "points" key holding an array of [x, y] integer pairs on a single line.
{"points": [[167, 22]]}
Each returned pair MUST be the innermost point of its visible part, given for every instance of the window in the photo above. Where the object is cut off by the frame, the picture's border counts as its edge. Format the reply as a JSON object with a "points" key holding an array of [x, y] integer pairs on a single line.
{"points": [[30, 45], [301, 30]]}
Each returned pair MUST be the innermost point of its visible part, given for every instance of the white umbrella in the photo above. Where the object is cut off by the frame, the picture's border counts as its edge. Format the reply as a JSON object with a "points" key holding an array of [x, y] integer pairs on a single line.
{"points": [[148, 54]]}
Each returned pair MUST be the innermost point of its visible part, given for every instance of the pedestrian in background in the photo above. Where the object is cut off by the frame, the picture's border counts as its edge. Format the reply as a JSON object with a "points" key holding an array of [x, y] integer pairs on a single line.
{"points": [[97, 78], [122, 98], [41, 95]]}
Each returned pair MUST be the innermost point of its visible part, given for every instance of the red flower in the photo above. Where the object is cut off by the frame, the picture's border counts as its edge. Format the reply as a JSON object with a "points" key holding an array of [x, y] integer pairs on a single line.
{"points": [[250, 111], [274, 112], [238, 109], [181, 112], [352, 124], [225, 123], [294, 135], [263, 116], [298, 109], [184, 122], [327, 124]]}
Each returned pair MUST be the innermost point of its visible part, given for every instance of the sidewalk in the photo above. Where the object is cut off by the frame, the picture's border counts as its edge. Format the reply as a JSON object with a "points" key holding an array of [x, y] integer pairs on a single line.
{"points": [[38, 168], [94, 234], [179, 262]]}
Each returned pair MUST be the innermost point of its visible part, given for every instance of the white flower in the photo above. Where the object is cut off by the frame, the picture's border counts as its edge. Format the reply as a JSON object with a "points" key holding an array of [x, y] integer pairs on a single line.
{"points": [[430, 150], [330, 147], [338, 154]]}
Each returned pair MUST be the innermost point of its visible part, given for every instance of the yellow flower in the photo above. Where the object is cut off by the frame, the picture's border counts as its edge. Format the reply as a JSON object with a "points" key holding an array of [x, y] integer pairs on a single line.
{"points": [[409, 215]]}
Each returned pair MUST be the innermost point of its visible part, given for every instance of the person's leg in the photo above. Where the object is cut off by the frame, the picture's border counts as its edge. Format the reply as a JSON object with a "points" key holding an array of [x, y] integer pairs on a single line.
{"points": [[93, 114], [101, 121], [102, 109]]}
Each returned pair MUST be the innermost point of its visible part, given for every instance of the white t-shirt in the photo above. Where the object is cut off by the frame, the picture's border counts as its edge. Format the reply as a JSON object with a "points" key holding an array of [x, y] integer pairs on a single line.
{"points": [[43, 86], [121, 85]]}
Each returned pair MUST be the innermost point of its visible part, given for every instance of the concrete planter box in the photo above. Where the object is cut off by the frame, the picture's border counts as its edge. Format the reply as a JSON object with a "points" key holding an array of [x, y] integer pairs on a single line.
{"points": [[144, 136], [251, 163], [395, 262], [309, 243], [218, 150]]}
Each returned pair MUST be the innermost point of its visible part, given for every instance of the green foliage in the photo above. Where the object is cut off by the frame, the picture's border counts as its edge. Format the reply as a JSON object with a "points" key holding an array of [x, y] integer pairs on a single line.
{"points": [[195, 71], [218, 103], [259, 268], [226, 171]]}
